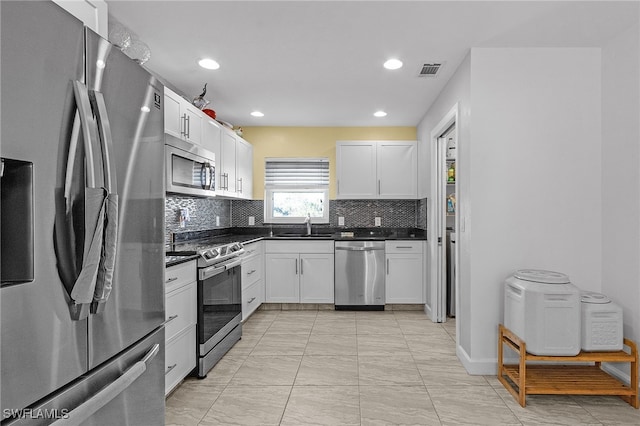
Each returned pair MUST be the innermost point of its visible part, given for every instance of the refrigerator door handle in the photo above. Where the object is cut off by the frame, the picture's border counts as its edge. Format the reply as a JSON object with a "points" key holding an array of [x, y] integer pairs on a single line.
{"points": [[81, 413], [104, 130], [89, 131], [104, 282], [84, 286]]}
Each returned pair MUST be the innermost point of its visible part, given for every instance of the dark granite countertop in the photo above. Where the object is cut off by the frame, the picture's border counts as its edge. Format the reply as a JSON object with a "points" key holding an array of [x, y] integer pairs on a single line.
{"points": [[182, 250], [184, 241], [178, 259]]}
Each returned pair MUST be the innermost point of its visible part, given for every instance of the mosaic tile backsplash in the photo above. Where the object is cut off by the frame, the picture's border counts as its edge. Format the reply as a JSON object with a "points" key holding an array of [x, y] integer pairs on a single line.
{"points": [[356, 213], [202, 213]]}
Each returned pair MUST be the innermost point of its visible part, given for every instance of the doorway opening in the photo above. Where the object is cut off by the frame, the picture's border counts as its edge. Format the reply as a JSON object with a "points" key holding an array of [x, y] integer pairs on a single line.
{"points": [[442, 293]]}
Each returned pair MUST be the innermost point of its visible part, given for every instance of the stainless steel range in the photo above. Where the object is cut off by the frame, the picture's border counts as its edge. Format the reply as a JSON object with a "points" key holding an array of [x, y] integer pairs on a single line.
{"points": [[219, 302]]}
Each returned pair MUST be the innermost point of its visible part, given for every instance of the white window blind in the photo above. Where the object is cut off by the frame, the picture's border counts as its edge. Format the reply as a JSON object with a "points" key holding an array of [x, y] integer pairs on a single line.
{"points": [[296, 173]]}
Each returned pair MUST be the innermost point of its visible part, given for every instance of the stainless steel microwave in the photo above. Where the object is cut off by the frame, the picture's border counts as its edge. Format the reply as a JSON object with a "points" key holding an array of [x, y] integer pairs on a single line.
{"points": [[189, 169]]}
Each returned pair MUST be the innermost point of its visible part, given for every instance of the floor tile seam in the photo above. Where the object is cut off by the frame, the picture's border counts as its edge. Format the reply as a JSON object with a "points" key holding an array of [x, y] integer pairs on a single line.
{"points": [[214, 401], [589, 412], [435, 409]]}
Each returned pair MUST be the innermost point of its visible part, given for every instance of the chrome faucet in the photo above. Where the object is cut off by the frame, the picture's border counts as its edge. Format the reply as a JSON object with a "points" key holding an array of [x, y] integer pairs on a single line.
{"points": [[307, 220]]}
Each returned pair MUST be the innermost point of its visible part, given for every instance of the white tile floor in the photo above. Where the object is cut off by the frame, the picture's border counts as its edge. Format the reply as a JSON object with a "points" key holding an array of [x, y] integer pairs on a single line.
{"points": [[364, 368]]}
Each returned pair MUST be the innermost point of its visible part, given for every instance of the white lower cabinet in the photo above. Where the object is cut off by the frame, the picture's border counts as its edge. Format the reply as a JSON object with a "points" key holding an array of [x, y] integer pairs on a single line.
{"points": [[299, 272], [252, 278], [181, 294], [404, 279], [252, 298], [180, 358], [316, 278]]}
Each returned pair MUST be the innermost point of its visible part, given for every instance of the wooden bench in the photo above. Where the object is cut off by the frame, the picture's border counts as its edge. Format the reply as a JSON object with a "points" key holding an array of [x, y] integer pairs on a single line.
{"points": [[566, 379]]}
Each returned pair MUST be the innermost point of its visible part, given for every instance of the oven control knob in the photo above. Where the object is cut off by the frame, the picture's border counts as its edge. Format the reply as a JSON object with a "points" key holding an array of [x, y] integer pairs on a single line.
{"points": [[214, 252]]}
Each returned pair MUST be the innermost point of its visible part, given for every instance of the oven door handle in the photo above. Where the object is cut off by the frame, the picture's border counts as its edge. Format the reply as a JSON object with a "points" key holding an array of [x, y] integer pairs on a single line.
{"points": [[211, 271], [233, 263]]}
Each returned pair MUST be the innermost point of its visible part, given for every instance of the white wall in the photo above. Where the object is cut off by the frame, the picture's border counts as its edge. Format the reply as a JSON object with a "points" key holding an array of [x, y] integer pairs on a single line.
{"points": [[621, 176], [529, 169], [536, 175], [457, 90]]}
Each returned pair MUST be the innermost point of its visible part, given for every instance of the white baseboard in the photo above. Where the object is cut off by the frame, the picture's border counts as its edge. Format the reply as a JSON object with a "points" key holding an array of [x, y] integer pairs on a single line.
{"points": [[480, 367]]}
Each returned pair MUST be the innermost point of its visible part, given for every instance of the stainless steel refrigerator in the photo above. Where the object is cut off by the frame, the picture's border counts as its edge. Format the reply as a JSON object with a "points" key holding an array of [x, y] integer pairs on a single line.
{"points": [[82, 216]]}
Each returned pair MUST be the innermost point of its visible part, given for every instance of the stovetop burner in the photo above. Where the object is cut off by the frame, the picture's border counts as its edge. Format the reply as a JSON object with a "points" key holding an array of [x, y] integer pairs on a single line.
{"points": [[209, 252]]}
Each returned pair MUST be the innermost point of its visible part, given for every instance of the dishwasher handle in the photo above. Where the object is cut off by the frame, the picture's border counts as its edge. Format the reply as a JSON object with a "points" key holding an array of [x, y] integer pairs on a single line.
{"points": [[359, 248]]}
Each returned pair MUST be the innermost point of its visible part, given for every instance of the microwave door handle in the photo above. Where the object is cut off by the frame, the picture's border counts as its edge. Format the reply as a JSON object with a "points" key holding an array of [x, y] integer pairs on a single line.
{"points": [[203, 175], [80, 414], [212, 177]]}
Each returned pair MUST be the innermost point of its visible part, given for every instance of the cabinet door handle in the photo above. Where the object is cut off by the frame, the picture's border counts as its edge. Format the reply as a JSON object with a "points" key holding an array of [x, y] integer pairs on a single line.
{"points": [[252, 299], [240, 182], [301, 268], [171, 318], [251, 272], [188, 120], [171, 367], [171, 279], [338, 185], [387, 266], [183, 119], [378, 186], [296, 266], [404, 247]]}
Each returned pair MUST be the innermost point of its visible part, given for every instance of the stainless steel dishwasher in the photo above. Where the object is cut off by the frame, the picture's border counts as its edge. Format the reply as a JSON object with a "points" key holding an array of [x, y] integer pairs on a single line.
{"points": [[359, 275]]}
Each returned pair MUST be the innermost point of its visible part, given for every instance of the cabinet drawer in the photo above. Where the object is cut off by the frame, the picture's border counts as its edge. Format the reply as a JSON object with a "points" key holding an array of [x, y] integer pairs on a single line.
{"points": [[180, 309], [251, 299], [403, 246], [253, 249], [251, 271], [296, 246], [180, 358], [179, 275]]}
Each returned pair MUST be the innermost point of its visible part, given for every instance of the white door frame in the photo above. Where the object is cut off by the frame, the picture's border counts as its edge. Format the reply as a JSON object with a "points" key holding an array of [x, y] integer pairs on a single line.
{"points": [[437, 221]]}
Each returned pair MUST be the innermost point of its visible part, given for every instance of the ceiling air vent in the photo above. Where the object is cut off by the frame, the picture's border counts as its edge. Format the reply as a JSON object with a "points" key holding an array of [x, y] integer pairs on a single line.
{"points": [[429, 70]]}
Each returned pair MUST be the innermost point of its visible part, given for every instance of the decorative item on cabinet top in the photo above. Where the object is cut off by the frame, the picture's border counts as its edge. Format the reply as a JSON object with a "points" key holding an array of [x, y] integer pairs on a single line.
{"points": [[200, 102]]}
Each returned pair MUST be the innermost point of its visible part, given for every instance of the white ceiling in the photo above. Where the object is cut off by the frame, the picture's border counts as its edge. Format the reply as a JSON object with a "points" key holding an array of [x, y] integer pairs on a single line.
{"points": [[319, 63]]}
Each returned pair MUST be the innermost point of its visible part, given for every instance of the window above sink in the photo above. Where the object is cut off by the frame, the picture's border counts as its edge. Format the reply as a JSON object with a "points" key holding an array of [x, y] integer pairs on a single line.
{"points": [[296, 188]]}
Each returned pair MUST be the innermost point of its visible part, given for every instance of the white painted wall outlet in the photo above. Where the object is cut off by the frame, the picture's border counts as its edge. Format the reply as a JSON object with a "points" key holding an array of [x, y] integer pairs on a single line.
{"points": [[378, 221], [217, 220], [252, 220], [340, 220]]}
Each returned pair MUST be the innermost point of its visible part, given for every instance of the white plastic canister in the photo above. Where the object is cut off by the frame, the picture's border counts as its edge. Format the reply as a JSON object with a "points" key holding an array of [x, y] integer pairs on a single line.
{"points": [[543, 309], [601, 323]]}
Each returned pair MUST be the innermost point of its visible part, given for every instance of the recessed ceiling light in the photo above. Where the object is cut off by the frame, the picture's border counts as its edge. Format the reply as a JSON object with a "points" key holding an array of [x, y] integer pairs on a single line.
{"points": [[379, 113], [209, 64], [257, 114], [393, 64]]}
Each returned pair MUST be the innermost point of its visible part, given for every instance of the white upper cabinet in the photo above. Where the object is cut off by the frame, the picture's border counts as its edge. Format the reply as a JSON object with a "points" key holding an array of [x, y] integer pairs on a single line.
{"points": [[234, 155], [234, 166], [397, 168], [356, 169], [228, 164], [193, 122], [93, 13], [172, 116], [181, 119], [212, 139], [377, 169], [244, 169]]}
